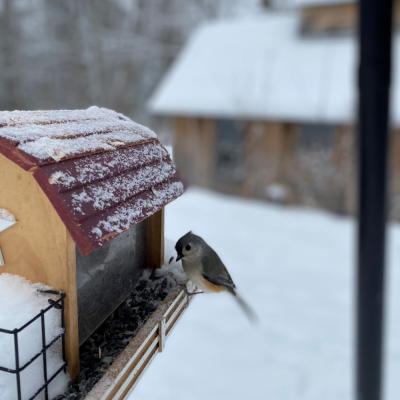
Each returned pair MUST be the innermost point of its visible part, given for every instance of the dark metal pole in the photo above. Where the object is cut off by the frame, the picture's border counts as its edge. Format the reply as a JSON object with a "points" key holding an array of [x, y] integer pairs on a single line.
{"points": [[374, 82], [17, 366]]}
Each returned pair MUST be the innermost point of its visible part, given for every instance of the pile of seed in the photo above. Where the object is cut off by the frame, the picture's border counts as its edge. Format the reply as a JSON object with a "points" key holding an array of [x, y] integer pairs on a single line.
{"points": [[104, 346]]}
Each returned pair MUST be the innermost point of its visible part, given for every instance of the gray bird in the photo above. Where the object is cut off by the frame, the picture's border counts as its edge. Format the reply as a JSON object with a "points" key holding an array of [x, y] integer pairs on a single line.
{"points": [[204, 268]]}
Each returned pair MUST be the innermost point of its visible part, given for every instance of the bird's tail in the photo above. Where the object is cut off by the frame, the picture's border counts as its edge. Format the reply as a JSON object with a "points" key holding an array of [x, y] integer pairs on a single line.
{"points": [[251, 315]]}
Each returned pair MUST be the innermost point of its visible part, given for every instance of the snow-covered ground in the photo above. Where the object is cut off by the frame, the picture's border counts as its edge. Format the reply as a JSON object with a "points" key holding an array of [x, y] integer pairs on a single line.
{"points": [[295, 267]]}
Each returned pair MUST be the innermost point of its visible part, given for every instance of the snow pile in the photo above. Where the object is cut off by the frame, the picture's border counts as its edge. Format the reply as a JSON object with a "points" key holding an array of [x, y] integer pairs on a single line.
{"points": [[277, 192], [19, 303], [295, 267], [6, 219]]}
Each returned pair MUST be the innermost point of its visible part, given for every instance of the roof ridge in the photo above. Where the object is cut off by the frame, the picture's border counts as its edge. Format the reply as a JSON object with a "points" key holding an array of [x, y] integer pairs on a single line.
{"points": [[26, 133], [103, 147], [43, 117]]}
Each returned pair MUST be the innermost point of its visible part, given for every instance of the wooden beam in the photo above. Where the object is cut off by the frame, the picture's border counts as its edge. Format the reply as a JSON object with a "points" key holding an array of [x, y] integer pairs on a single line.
{"points": [[395, 161], [343, 161], [155, 240], [71, 310], [206, 152], [329, 18], [269, 155], [194, 150], [184, 134]]}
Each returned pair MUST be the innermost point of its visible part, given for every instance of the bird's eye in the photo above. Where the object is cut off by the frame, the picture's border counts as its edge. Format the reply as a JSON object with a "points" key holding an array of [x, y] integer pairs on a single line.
{"points": [[188, 247]]}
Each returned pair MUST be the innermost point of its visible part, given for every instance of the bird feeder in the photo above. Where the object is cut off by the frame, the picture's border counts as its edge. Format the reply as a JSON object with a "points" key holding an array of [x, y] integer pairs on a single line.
{"points": [[88, 190]]}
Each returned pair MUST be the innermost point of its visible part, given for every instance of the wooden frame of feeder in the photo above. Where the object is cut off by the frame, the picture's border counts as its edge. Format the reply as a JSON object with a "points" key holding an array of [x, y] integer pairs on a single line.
{"points": [[123, 374], [36, 256], [99, 175]]}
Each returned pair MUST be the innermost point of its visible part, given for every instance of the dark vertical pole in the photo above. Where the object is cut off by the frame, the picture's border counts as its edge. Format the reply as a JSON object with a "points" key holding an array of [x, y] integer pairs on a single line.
{"points": [[63, 328], [17, 367], [44, 355], [374, 83]]}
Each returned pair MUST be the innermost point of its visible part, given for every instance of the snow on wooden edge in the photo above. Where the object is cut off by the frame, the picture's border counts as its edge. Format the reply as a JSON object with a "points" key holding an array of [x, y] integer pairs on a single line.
{"points": [[6, 219]]}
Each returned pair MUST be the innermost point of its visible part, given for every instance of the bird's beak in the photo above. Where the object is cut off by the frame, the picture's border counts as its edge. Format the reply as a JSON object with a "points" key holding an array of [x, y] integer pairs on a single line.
{"points": [[179, 257]]}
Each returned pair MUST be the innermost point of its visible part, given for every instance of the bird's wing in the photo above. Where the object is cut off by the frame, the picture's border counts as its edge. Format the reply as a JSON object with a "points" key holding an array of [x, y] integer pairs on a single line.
{"points": [[215, 271]]}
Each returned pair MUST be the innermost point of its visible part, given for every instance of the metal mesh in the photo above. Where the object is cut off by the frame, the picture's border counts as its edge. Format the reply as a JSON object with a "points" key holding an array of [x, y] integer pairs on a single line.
{"points": [[56, 304]]}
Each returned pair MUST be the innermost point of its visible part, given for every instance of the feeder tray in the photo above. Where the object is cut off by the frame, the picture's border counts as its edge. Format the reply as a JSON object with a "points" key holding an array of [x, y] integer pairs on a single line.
{"points": [[124, 372], [115, 356]]}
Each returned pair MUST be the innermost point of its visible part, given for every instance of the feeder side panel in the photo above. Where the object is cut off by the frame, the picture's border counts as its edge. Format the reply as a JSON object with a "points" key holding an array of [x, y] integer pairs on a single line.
{"points": [[38, 247]]}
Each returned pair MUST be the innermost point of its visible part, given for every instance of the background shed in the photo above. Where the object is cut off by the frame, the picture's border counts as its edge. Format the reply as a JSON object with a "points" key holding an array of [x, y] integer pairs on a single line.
{"points": [[259, 102]]}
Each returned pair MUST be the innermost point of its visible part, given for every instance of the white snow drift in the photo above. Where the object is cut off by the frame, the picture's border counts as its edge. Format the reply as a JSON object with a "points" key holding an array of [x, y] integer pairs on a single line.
{"points": [[296, 268]]}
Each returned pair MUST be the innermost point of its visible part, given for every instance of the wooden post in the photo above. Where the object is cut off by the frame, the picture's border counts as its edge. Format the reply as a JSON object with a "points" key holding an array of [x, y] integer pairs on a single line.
{"points": [[395, 161], [71, 310], [329, 18], [343, 161], [184, 137], [155, 240], [206, 153], [289, 142], [269, 155], [194, 150]]}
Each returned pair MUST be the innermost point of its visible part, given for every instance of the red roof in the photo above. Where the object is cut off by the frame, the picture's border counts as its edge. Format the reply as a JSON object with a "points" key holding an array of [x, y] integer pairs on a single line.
{"points": [[101, 171]]}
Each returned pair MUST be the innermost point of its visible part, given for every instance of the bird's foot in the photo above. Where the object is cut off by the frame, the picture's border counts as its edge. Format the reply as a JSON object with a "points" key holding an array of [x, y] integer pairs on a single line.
{"points": [[192, 293]]}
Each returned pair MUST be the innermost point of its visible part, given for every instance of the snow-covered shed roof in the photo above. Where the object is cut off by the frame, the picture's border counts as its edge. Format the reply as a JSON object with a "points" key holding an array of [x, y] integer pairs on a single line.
{"points": [[101, 171], [311, 3], [261, 68]]}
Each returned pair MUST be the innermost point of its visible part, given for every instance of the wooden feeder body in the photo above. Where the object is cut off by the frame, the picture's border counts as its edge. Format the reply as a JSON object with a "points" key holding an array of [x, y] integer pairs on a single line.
{"points": [[41, 248]]}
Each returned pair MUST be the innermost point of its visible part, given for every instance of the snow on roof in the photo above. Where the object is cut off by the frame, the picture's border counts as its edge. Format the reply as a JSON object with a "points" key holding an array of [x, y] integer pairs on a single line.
{"points": [[260, 68], [308, 3], [101, 171]]}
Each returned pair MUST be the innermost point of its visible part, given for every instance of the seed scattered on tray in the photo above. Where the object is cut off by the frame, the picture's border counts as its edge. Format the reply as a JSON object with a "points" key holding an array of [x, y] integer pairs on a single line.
{"points": [[104, 346]]}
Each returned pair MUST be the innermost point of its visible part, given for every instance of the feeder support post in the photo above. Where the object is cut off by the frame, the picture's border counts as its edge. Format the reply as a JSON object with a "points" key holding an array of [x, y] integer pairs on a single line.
{"points": [[155, 240], [375, 32]]}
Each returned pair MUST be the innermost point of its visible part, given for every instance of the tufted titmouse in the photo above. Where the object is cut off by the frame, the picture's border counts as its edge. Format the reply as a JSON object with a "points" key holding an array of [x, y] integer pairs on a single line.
{"points": [[204, 268]]}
